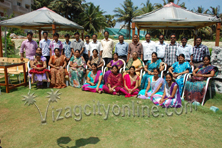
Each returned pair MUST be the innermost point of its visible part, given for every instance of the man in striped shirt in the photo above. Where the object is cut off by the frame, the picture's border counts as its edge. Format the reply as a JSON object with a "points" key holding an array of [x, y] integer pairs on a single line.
{"points": [[170, 51]]}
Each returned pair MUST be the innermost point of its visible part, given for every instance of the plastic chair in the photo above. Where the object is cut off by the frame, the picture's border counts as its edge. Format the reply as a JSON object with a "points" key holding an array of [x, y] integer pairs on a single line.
{"points": [[103, 67], [121, 69]]}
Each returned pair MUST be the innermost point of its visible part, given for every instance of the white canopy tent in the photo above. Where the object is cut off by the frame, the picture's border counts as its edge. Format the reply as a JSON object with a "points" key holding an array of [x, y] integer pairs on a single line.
{"points": [[41, 19], [172, 16]]}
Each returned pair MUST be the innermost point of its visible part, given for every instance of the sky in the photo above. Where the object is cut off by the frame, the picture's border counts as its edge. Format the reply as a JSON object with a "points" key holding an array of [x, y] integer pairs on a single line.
{"points": [[110, 5]]}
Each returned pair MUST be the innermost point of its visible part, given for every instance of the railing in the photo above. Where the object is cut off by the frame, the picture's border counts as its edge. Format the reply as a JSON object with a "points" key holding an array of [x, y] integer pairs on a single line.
{"points": [[5, 4]]}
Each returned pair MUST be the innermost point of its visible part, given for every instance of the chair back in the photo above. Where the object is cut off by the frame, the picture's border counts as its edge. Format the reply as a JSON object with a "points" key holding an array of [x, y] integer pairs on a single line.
{"points": [[13, 60], [3, 59]]}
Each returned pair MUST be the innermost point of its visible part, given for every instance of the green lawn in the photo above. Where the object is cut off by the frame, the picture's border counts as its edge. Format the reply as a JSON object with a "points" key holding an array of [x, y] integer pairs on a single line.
{"points": [[20, 125]]}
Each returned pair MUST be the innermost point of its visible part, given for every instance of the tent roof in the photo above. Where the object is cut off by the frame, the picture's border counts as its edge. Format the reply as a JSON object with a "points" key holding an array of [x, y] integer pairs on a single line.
{"points": [[175, 17], [42, 18]]}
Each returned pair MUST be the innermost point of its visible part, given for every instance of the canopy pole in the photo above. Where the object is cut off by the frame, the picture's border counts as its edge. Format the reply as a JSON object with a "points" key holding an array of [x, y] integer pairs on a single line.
{"points": [[133, 28], [217, 34], [53, 28], [40, 35], [1, 52], [138, 32], [195, 37], [82, 35]]}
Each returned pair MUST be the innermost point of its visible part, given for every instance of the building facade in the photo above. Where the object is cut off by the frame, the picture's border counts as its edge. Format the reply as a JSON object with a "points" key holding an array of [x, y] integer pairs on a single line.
{"points": [[16, 7]]}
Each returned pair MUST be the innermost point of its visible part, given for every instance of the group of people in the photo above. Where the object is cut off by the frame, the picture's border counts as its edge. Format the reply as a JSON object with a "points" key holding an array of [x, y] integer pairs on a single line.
{"points": [[132, 70]]}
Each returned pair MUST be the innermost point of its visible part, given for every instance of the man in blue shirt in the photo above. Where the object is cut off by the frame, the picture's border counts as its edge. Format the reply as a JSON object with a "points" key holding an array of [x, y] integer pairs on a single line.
{"points": [[122, 48], [66, 48], [44, 44]]}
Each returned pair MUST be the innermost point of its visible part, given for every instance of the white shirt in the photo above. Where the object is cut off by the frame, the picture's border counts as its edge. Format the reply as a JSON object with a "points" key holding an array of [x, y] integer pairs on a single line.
{"points": [[148, 49], [45, 47], [160, 49], [86, 48], [187, 51], [107, 46], [93, 46]]}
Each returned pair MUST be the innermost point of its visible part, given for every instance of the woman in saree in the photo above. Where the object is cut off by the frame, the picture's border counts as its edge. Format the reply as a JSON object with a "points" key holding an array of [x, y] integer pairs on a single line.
{"points": [[178, 70], [150, 65], [195, 86], [114, 82], [57, 63], [94, 80], [136, 62], [171, 95], [131, 83], [155, 87], [77, 70], [94, 59], [118, 62]]}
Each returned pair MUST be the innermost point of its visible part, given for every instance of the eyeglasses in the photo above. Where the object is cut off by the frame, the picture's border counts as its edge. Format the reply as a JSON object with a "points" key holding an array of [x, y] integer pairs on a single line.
{"points": [[161, 38], [173, 37]]}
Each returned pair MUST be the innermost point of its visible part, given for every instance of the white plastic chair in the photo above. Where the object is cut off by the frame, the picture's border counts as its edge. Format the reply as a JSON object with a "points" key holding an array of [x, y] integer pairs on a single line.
{"points": [[101, 68], [162, 72], [121, 69]]}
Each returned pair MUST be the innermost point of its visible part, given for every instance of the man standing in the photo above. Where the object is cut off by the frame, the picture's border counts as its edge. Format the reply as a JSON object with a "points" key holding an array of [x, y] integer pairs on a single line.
{"points": [[95, 45], [148, 48], [85, 53], [77, 44], [55, 44], [44, 44], [160, 47], [170, 51], [122, 48], [107, 45], [66, 48], [135, 46], [185, 49], [30, 47], [199, 51]]}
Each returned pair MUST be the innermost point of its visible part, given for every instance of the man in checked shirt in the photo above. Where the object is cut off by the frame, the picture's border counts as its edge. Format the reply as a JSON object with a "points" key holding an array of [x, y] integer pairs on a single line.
{"points": [[170, 51], [199, 51]]}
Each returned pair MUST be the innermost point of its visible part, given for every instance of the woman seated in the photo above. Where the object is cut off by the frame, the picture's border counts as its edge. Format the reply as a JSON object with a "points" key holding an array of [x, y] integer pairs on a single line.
{"points": [[94, 59], [195, 86], [150, 65], [114, 82], [155, 87], [136, 62], [94, 80], [38, 78], [77, 70], [118, 62], [171, 95], [178, 69], [131, 83], [57, 63]]}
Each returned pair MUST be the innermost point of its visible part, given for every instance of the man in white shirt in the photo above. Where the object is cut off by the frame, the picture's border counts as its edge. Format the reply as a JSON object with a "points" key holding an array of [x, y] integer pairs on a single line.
{"points": [[95, 45], [185, 49], [85, 52], [160, 47], [44, 44], [107, 45], [148, 48]]}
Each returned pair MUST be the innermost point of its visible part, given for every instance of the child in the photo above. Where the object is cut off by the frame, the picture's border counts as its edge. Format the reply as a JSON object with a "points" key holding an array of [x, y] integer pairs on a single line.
{"points": [[38, 68]]}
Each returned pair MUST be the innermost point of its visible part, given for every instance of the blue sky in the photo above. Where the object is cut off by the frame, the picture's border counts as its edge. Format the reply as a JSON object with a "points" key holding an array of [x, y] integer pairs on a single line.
{"points": [[110, 5]]}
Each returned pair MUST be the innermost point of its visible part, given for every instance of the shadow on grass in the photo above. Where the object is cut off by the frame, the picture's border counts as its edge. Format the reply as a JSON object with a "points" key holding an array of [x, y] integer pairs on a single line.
{"points": [[80, 142]]}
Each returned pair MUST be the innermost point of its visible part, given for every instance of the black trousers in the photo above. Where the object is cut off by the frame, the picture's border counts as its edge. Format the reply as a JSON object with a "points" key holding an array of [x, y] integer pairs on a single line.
{"points": [[86, 57], [107, 60], [123, 57], [47, 60]]}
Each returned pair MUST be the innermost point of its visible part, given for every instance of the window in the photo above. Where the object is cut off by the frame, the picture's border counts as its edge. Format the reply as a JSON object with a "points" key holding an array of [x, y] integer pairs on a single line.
{"points": [[18, 4], [27, 6]]}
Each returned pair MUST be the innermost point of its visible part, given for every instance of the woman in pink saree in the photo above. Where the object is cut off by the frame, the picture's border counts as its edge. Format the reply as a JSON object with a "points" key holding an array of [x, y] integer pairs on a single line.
{"points": [[94, 80], [131, 83], [114, 82]]}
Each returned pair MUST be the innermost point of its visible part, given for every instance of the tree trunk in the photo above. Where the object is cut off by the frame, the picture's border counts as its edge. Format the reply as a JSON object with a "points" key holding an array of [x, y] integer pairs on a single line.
{"points": [[129, 29]]}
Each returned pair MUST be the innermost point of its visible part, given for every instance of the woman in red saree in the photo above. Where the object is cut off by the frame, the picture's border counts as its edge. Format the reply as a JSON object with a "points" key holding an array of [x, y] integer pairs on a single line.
{"points": [[114, 82], [57, 63], [131, 83]]}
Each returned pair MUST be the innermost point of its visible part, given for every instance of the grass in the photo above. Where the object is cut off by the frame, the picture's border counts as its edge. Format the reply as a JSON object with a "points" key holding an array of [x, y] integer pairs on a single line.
{"points": [[21, 125]]}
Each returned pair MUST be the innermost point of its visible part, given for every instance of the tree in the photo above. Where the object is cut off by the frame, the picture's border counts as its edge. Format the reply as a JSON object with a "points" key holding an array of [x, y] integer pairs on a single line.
{"points": [[93, 19], [40, 3], [148, 7], [157, 5], [111, 22], [215, 11], [126, 14]]}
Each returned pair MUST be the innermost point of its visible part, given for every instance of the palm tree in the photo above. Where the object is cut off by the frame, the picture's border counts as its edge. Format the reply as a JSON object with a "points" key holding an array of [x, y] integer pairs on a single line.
{"points": [[111, 22], [215, 11], [93, 19], [40, 3], [148, 7], [157, 5], [126, 14]]}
